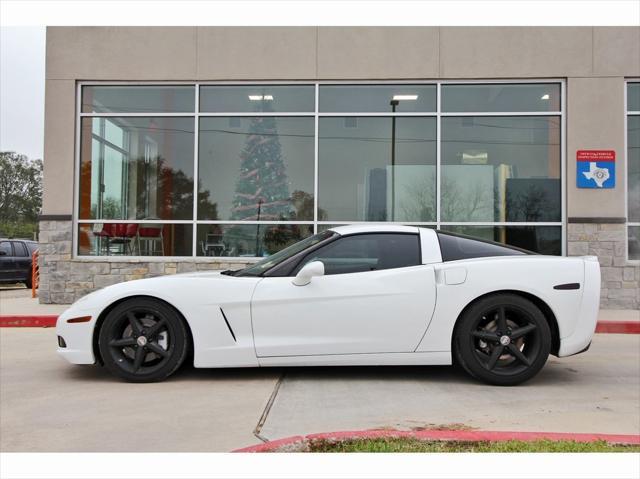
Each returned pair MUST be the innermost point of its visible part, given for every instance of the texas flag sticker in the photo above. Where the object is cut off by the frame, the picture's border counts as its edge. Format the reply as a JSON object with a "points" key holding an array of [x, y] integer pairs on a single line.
{"points": [[596, 168]]}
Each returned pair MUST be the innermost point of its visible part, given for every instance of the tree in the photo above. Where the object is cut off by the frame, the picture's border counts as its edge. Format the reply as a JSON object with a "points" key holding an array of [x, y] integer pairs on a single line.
{"points": [[20, 194]]}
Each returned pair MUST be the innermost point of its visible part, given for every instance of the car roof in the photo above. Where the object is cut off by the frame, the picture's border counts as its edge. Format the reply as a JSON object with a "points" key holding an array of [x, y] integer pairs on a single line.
{"points": [[373, 228], [18, 239]]}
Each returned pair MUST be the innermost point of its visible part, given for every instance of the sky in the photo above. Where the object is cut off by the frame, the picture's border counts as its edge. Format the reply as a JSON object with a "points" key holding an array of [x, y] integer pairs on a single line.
{"points": [[22, 53]]}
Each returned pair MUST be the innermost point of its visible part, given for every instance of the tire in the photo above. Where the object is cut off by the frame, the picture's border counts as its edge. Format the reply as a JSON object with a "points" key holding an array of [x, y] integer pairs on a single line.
{"points": [[27, 282], [143, 340], [503, 339]]}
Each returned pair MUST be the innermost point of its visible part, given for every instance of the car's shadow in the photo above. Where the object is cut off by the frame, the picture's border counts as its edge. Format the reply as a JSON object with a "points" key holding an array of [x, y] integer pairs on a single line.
{"points": [[551, 375]]}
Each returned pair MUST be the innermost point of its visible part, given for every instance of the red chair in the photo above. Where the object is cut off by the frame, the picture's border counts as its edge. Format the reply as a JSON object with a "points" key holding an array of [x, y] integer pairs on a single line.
{"points": [[124, 234], [105, 234], [152, 236]]}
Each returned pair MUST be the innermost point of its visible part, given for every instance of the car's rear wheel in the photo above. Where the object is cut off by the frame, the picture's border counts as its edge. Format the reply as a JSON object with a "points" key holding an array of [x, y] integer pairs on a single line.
{"points": [[143, 340], [503, 339]]}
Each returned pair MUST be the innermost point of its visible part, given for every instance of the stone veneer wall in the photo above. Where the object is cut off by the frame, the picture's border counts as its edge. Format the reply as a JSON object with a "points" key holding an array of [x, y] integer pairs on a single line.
{"points": [[608, 241], [64, 280]]}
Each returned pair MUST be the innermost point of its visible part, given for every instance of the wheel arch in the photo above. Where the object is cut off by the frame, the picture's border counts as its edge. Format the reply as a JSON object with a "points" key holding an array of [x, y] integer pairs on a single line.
{"points": [[109, 308], [541, 304]]}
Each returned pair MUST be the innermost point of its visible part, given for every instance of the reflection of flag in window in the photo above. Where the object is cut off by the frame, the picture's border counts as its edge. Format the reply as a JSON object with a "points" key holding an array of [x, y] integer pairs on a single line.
{"points": [[262, 189]]}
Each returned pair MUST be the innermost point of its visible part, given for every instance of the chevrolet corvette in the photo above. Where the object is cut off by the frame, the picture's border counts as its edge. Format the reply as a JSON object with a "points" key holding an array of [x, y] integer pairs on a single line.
{"points": [[350, 295]]}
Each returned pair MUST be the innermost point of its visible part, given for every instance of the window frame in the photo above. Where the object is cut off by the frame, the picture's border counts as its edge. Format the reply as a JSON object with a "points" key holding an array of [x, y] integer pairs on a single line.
{"points": [[196, 114], [627, 114]]}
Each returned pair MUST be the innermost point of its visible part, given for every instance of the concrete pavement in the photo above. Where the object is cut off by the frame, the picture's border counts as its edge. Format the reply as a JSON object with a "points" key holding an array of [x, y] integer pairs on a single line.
{"points": [[48, 405], [598, 391], [16, 299]]}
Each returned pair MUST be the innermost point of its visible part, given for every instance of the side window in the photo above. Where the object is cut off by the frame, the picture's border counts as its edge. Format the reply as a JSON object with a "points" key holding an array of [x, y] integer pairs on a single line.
{"points": [[5, 247], [19, 249], [457, 247], [367, 252]]}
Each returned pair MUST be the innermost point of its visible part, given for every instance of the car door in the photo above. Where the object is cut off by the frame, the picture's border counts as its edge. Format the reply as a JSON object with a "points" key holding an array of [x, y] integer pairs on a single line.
{"points": [[22, 259], [375, 297], [7, 261]]}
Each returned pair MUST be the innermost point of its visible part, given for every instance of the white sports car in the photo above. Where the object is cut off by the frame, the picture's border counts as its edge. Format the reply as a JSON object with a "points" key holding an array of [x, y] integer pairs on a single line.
{"points": [[351, 295]]}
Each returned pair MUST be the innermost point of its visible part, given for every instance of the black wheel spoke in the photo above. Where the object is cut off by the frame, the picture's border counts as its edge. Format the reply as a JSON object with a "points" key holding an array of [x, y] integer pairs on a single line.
{"points": [[517, 333], [156, 348], [153, 330], [515, 352], [136, 325], [495, 355], [139, 358], [502, 320], [486, 336], [122, 342]]}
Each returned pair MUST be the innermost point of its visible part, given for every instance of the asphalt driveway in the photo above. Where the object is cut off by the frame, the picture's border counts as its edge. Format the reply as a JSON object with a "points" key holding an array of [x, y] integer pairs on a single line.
{"points": [[48, 405]]}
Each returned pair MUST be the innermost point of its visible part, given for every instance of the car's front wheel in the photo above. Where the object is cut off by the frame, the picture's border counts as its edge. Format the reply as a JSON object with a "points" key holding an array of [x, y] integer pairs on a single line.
{"points": [[143, 340], [503, 339]]}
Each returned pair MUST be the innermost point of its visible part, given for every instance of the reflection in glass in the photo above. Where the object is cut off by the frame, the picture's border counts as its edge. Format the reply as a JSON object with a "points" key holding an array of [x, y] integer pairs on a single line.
{"points": [[257, 98], [633, 96], [377, 98], [633, 167], [138, 99], [539, 239], [500, 169], [134, 239], [634, 243], [256, 168], [377, 169], [136, 168], [248, 240], [501, 97]]}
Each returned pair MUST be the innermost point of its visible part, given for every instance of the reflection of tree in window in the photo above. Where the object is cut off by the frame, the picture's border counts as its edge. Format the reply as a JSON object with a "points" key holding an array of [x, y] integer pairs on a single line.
{"points": [[465, 202], [262, 188]]}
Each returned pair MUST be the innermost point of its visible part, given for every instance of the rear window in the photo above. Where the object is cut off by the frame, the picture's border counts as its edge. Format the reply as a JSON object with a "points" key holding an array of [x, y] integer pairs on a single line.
{"points": [[454, 247]]}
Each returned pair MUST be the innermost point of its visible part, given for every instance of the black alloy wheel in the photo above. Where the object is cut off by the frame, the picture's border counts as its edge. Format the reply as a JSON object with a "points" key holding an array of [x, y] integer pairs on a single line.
{"points": [[502, 339], [143, 340]]}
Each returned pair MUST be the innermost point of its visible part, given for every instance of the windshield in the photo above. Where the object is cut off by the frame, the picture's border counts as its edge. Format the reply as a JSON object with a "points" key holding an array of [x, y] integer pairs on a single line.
{"points": [[269, 262]]}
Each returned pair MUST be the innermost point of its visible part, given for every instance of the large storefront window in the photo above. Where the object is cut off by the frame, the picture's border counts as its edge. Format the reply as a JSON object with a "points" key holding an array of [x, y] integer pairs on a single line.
{"points": [[244, 170], [633, 170]]}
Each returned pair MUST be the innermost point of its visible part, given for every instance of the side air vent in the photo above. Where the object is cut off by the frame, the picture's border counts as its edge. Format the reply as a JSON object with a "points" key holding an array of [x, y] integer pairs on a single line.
{"points": [[228, 325], [567, 286]]}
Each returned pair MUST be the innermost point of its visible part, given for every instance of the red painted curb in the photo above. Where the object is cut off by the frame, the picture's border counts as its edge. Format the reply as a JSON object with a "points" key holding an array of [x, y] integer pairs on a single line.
{"points": [[43, 321], [448, 435], [618, 327]]}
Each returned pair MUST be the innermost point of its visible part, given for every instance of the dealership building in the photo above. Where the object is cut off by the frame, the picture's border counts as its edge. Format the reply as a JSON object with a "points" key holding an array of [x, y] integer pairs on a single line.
{"points": [[176, 149]]}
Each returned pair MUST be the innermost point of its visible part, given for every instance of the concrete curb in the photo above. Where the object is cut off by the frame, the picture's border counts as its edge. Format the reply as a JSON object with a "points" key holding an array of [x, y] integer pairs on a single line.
{"points": [[49, 321], [19, 321], [447, 435]]}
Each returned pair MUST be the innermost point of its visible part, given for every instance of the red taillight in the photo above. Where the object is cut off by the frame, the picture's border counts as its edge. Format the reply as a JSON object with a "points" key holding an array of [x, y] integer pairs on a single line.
{"points": [[81, 319]]}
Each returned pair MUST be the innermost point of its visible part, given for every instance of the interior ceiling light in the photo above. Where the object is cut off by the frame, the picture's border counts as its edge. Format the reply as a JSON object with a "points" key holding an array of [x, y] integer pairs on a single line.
{"points": [[545, 96], [260, 97], [405, 97]]}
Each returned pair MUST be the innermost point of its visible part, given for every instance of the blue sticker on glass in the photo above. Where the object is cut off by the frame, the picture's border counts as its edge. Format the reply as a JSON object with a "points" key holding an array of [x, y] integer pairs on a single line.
{"points": [[596, 174]]}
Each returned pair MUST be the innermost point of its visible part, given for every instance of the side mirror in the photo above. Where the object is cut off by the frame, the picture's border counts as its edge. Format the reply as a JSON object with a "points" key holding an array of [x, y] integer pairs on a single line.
{"points": [[308, 271]]}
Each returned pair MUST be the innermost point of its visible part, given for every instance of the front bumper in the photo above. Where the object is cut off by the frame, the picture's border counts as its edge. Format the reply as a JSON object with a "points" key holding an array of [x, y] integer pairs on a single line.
{"points": [[78, 337]]}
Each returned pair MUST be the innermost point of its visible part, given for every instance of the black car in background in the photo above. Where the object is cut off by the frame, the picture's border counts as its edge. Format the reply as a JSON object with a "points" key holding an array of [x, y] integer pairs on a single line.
{"points": [[15, 260]]}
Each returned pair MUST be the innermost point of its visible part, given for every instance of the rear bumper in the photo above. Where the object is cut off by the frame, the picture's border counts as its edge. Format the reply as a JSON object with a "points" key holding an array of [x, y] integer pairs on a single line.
{"points": [[587, 314]]}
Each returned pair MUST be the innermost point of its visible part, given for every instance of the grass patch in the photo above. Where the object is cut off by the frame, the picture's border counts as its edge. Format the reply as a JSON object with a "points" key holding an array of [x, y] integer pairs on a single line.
{"points": [[398, 444]]}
